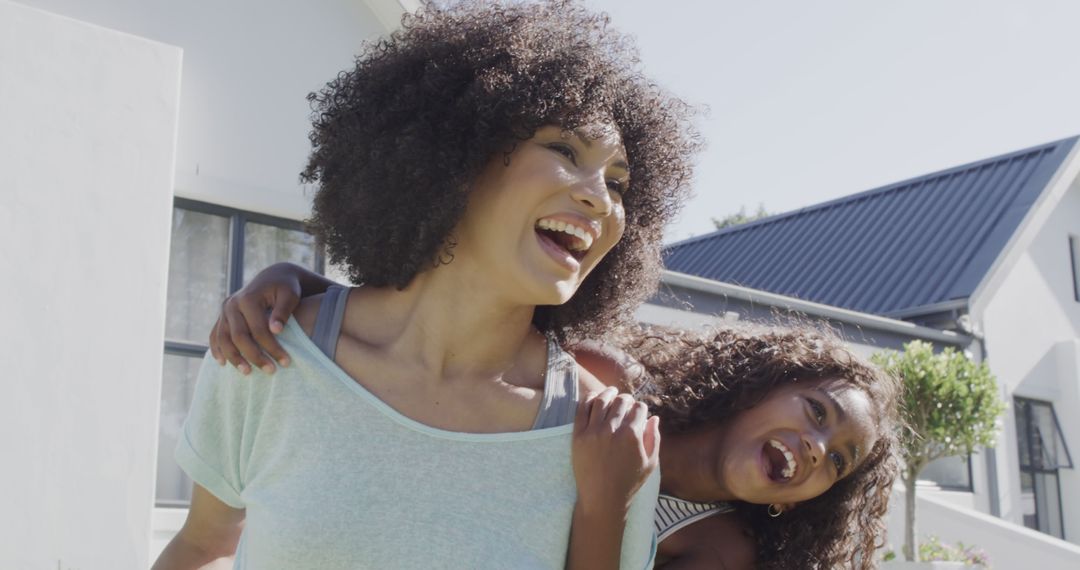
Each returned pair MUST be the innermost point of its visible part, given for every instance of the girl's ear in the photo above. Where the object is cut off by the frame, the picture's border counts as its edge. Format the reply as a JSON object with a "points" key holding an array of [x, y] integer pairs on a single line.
{"points": [[778, 509]]}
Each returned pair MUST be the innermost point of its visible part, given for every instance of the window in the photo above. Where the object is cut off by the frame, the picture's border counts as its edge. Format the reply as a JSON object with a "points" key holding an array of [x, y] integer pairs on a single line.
{"points": [[950, 473], [1042, 455], [1074, 253], [215, 251]]}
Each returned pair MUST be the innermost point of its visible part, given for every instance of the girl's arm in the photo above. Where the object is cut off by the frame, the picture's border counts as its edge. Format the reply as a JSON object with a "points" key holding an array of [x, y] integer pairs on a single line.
{"points": [[242, 334], [209, 535], [615, 449]]}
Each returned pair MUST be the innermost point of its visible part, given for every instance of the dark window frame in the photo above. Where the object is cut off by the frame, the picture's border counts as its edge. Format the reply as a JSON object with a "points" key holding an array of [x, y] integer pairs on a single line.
{"points": [[235, 267], [237, 219], [1074, 255], [1025, 464]]}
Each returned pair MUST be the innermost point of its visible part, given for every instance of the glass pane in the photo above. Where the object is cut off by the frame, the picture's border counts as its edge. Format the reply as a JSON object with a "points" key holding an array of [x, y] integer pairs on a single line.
{"points": [[1052, 448], [1053, 504], [1027, 500], [1048, 503], [177, 387], [1023, 413], [948, 472], [265, 245], [198, 274]]}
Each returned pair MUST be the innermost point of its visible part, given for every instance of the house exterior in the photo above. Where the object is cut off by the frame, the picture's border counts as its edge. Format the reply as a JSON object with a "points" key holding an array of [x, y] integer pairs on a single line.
{"points": [[150, 154], [988, 250]]}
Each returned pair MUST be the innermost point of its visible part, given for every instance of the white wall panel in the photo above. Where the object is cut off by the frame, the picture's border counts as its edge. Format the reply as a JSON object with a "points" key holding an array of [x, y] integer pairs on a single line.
{"points": [[87, 148]]}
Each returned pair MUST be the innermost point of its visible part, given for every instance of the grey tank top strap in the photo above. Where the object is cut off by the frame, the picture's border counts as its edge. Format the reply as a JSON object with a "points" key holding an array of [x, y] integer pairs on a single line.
{"points": [[560, 379], [328, 320], [560, 389]]}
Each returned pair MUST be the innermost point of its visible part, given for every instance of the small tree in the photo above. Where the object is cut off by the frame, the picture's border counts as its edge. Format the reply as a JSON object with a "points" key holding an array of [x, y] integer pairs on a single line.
{"points": [[951, 406], [740, 217]]}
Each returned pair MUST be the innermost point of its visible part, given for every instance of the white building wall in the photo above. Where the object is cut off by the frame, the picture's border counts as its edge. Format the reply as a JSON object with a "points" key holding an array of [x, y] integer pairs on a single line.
{"points": [[1032, 322], [87, 143], [248, 66], [241, 141]]}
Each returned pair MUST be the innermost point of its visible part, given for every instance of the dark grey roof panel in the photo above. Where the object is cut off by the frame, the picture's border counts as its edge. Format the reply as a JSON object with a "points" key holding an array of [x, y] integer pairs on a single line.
{"points": [[911, 244]]}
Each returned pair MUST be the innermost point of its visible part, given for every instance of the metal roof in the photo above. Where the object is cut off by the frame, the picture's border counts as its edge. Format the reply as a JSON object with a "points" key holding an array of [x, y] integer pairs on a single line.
{"points": [[917, 243]]}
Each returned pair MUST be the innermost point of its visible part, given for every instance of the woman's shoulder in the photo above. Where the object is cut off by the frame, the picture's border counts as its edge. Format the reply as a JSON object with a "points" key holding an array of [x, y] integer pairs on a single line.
{"points": [[307, 312], [719, 541], [601, 365]]}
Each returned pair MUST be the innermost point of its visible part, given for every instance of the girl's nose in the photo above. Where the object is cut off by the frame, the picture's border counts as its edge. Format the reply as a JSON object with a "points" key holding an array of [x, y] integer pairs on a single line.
{"points": [[815, 448]]}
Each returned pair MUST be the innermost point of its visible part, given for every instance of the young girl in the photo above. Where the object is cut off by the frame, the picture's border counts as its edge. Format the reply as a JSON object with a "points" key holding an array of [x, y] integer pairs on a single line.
{"points": [[497, 176], [779, 445], [784, 434]]}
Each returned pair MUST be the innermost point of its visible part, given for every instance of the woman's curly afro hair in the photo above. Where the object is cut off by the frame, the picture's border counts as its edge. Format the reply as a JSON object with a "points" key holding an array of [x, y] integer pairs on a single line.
{"points": [[694, 379], [398, 140]]}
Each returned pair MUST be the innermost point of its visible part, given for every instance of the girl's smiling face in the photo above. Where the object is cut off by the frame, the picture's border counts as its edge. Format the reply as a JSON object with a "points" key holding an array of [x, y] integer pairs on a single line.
{"points": [[790, 447], [539, 220]]}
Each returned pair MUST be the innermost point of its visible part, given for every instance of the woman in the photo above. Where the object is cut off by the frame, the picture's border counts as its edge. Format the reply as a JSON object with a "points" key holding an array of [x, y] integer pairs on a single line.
{"points": [[498, 177], [779, 444]]}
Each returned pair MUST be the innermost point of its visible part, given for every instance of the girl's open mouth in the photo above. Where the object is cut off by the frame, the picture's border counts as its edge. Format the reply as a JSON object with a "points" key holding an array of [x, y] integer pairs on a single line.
{"points": [[781, 461]]}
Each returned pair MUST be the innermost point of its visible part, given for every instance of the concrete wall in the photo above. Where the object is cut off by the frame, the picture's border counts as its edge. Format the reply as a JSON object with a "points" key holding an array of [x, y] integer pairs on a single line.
{"points": [[248, 65], [89, 121], [1008, 545], [1031, 321]]}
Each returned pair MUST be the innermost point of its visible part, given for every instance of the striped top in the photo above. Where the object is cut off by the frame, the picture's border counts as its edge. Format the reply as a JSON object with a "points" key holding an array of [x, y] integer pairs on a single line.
{"points": [[673, 514]]}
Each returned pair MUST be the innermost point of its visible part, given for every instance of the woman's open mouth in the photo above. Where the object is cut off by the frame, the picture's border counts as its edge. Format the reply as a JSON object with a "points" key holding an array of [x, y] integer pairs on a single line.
{"points": [[564, 240], [780, 461]]}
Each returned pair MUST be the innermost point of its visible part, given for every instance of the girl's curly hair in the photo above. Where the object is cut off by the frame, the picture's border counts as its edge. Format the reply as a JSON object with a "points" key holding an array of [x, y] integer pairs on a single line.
{"points": [[693, 379], [398, 140]]}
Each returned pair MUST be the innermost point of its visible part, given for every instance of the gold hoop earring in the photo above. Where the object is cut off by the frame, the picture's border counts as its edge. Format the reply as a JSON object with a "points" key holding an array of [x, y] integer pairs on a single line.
{"points": [[775, 510]]}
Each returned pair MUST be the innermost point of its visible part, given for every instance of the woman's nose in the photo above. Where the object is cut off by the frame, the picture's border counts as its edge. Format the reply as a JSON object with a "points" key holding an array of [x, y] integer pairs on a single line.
{"points": [[593, 193]]}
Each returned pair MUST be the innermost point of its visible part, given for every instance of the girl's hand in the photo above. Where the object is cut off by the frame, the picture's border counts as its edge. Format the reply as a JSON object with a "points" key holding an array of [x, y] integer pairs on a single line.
{"points": [[243, 335], [615, 448]]}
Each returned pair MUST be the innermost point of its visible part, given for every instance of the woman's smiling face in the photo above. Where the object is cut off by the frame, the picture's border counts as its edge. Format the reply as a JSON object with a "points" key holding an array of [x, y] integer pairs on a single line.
{"points": [[537, 224], [793, 445]]}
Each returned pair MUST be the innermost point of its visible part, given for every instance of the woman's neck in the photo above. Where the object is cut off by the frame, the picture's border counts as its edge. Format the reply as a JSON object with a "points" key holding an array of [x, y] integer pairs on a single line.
{"points": [[448, 322]]}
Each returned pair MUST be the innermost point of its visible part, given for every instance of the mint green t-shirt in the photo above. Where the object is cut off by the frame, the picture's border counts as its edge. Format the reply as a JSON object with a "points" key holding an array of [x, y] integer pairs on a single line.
{"points": [[333, 478]]}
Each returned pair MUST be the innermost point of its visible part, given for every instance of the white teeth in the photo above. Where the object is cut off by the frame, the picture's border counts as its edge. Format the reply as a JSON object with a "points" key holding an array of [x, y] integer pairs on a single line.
{"points": [[578, 232], [792, 465]]}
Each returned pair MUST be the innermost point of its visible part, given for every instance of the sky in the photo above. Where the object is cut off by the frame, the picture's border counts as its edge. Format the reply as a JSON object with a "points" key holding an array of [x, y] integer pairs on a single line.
{"points": [[806, 101]]}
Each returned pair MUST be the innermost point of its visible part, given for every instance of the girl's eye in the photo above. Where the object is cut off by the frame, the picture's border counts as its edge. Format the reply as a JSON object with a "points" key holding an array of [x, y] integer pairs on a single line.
{"points": [[565, 150], [616, 186], [838, 461], [818, 409]]}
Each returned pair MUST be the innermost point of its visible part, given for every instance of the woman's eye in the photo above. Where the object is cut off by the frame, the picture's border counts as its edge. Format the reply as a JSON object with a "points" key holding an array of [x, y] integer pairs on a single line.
{"points": [[616, 186], [818, 409], [838, 461], [565, 150]]}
